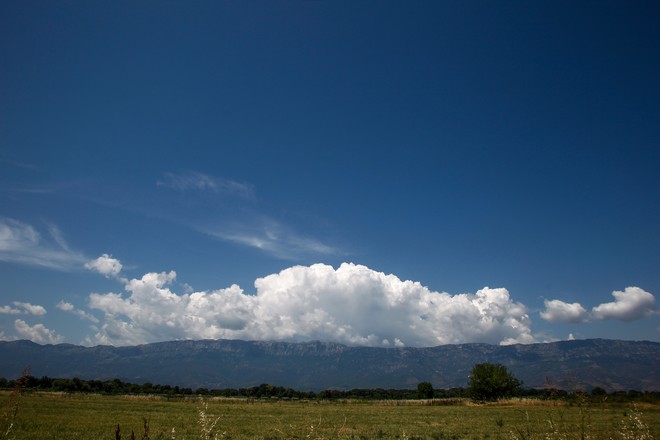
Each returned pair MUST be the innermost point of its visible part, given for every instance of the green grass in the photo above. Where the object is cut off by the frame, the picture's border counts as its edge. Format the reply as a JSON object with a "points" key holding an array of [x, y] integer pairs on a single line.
{"points": [[90, 417]]}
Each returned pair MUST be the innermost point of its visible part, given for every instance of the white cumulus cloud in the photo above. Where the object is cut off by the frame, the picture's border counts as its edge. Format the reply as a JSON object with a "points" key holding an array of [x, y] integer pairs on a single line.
{"points": [[629, 304], [37, 333], [31, 309], [352, 304], [70, 308], [560, 311], [9, 310], [105, 265]]}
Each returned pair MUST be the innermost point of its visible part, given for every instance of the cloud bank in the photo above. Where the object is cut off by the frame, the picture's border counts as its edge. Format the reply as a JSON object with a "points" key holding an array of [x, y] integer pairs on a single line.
{"points": [[352, 304]]}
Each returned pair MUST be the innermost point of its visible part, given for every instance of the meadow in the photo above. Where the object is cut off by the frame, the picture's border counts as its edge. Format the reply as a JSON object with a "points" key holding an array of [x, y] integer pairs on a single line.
{"points": [[87, 416]]}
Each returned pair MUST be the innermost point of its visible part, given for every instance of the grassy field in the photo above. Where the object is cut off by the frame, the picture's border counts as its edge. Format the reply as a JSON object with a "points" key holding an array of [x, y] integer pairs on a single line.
{"points": [[90, 417]]}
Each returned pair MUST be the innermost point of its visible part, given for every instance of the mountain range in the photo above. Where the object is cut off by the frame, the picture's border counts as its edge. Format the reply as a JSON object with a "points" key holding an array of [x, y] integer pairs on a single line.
{"points": [[312, 366]]}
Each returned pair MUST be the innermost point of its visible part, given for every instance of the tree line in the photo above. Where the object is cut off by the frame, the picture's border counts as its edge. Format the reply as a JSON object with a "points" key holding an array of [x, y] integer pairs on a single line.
{"points": [[487, 382]]}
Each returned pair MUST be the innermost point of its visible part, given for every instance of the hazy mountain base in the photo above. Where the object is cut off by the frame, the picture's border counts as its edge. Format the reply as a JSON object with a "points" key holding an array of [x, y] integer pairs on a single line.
{"points": [[610, 364]]}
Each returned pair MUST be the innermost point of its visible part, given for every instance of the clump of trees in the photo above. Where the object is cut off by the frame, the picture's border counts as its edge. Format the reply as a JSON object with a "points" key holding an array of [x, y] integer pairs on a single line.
{"points": [[490, 382], [425, 390]]}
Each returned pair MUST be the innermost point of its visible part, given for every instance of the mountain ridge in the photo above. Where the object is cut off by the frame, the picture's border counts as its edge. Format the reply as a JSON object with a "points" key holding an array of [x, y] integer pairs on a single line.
{"points": [[614, 365]]}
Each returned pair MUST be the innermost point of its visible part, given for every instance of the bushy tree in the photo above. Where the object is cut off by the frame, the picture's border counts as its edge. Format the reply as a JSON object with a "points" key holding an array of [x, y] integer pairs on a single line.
{"points": [[425, 390], [490, 382]]}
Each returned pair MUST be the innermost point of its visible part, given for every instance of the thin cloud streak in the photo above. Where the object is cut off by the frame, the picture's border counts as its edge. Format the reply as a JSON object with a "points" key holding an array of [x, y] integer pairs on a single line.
{"points": [[274, 240], [17, 164], [22, 243], [196, 181], [195, 201], [243, 223]]}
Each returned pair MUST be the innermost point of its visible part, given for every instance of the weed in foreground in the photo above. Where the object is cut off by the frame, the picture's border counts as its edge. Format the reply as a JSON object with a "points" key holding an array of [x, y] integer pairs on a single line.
{"points": [[145, 431], [10, 409], [633, 427], [8, 416], [207, 423]]}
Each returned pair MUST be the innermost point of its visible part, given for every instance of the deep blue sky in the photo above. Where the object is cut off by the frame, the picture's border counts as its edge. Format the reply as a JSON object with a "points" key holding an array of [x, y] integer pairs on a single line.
{"points": [[457, 144]]}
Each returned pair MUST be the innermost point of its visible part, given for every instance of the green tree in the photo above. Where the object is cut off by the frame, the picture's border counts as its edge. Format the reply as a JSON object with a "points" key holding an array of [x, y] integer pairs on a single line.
{"points": [[490, 382], [425, 390]]}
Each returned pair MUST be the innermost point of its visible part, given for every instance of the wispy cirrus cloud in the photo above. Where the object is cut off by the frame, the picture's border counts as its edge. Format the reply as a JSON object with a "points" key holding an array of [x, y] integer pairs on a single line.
{"points": [[272, 238], [22, 243], [229, 211], [18, 164], [193, 180]]}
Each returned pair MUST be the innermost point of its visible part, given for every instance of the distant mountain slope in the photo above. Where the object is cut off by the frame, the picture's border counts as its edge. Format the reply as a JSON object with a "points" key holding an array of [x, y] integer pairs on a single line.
{"points": [[610, 364]]}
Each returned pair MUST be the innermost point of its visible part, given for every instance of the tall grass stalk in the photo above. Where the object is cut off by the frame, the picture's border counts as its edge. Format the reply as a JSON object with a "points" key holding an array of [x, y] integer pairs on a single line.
{"points": [[10, 408], [633, 427], [207, 423]]}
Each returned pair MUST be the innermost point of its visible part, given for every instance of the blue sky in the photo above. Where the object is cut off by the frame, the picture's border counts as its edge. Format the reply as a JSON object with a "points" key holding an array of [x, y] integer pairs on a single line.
{"points": [[372, 173]]}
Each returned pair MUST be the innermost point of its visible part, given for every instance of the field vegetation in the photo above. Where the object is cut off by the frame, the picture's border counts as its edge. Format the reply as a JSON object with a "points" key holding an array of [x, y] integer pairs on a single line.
{"points": [[49, 415], [493, 406]]}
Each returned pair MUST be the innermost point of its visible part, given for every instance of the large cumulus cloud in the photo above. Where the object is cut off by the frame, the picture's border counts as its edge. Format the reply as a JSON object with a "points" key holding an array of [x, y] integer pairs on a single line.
{"points": [[351, 304]]}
